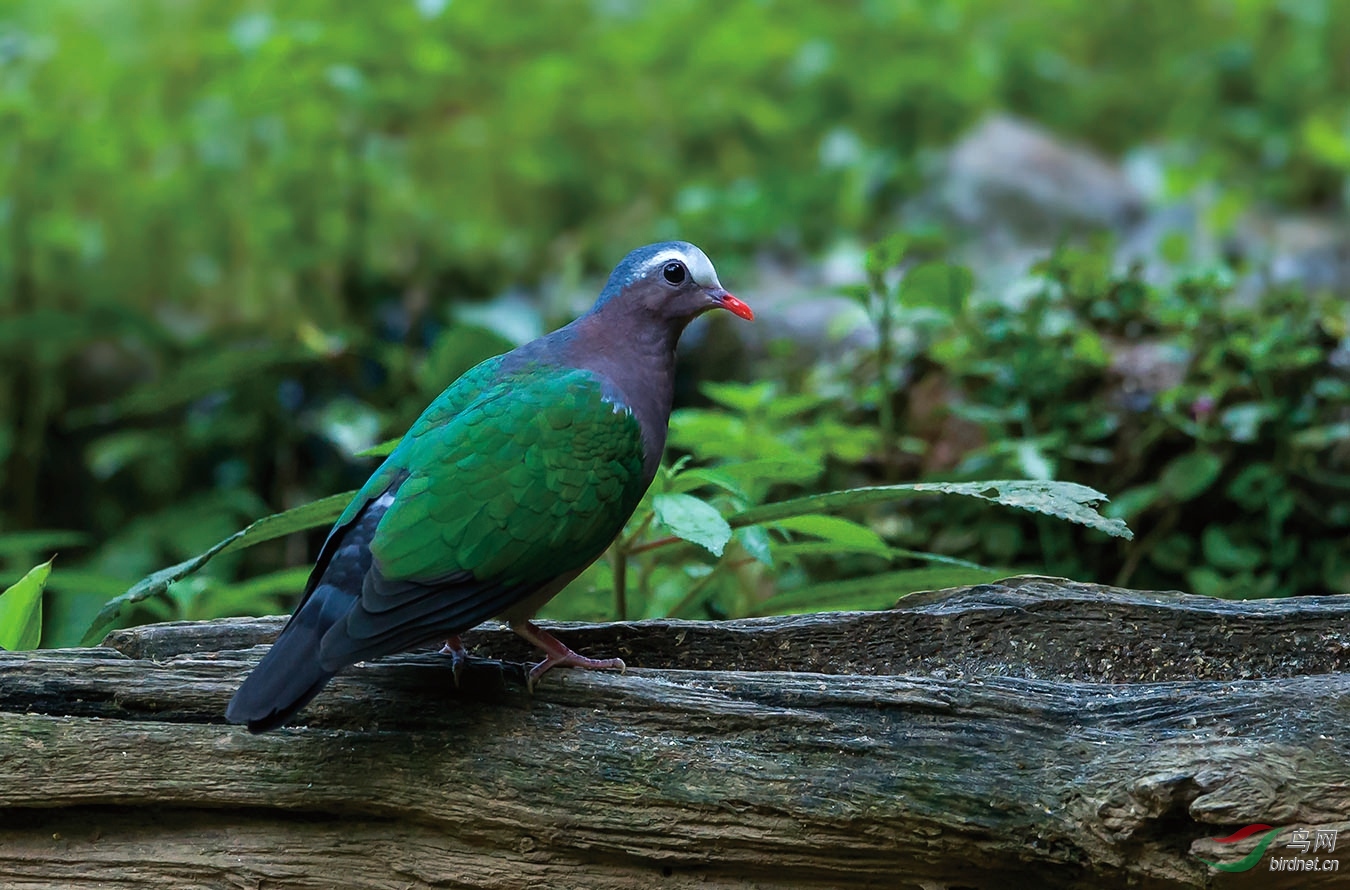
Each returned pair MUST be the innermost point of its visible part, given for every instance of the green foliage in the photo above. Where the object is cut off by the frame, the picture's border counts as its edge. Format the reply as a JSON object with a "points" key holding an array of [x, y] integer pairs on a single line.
{"points": [[1219, 420], [774, 544], [21, 610], [693, 520], [319, 514], [240, 243]]}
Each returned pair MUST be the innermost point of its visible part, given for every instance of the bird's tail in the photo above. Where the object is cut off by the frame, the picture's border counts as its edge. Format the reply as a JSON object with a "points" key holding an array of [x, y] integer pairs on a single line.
{"points": [[290, 674]]}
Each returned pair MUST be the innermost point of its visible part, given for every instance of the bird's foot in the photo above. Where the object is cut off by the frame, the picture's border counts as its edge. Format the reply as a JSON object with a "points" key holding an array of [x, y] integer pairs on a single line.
{"points": [[557, 654], [459, 656]]}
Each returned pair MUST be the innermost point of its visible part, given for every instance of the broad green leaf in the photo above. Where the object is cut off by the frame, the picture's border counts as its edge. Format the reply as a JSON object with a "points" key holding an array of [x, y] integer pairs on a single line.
{"points": [[1223, 551], [755, 540], [1132, 501], [384, 449], [1188, 476], [276, 583], [220, 600], [1256, 485], [1326, 138], [108, 455], [21, 610], [699, 477], [740, 478], [679, 466], [816, 547], [742, 397], [885, 254], [18, 543], [1064, 500], [786, 406], [858, 293], [312, 515], [846, 533], [937, 285], [696, 521], [785, 471]]}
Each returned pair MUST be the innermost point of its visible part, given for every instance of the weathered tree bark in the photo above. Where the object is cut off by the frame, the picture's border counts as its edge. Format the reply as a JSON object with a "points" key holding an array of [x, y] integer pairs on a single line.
{"points": [[1034, 733]]}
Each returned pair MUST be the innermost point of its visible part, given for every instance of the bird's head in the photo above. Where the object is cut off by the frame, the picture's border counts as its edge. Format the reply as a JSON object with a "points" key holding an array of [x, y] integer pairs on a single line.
{"points": [[673, 281]]}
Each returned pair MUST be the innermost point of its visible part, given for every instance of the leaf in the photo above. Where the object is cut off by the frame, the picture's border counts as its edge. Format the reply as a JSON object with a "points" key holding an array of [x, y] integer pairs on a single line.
{"points": [[845, 533], [886, 254], [1033, 461], [21, 610], [699, 477], [312, 515], [1243, 422], [220, 600], [1223, 551], [740, 397], [1187, 476], [1063, 500], [110, 454], [938, 285], [756, 542], [18, 543], [1319, 437], [784, 471], [384, 449], [1132, 501], [696, 521], [739, 476]]}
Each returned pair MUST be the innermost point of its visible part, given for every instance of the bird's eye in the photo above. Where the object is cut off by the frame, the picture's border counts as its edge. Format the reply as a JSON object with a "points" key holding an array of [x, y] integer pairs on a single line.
{"points": [[674, 273]]}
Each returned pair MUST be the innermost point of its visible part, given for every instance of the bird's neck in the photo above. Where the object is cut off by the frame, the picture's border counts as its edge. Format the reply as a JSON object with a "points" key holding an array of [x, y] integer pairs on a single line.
{"points": [[638, 357]]}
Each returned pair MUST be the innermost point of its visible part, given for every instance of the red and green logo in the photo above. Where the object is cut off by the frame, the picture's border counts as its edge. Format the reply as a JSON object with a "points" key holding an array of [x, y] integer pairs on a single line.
{"points": [[1249, 861]]}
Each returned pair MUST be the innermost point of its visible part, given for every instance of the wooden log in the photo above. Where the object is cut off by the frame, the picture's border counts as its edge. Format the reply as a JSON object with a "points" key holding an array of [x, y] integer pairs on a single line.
{"points": [[1035, 732]]}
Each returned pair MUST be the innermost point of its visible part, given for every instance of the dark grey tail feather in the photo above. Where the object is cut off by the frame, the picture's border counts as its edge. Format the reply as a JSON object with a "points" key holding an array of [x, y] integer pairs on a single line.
{"points": [[290, 674]]}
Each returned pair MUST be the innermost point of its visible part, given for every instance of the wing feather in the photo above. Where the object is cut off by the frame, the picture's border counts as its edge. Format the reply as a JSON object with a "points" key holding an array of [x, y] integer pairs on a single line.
{"points": [[502, 498]]}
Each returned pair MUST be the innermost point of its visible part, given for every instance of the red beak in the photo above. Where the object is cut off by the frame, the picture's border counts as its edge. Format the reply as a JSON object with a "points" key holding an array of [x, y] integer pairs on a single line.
{"points": [[735, 306]]}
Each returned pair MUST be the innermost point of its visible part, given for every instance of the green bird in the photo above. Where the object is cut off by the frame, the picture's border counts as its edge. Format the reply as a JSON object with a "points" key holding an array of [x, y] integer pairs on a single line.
{"points": [[512, 481]]}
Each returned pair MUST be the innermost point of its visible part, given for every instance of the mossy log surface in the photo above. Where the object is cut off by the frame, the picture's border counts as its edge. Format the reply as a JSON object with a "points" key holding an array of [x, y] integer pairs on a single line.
{"points": [[1030, 733]]}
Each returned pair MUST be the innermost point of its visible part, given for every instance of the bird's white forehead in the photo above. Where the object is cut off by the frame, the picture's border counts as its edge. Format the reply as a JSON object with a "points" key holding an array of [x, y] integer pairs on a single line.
{"points": [[696, 261]]}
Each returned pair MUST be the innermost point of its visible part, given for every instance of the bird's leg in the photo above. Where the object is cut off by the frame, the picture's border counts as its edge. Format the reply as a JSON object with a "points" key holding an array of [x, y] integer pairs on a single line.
{"points": [[458, 656], [557, 653]]}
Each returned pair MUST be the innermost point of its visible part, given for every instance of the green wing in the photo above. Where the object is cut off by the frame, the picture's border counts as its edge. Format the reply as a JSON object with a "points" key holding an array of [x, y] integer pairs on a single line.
{"points": [[467, 388], [455, 398], [531, 480]]}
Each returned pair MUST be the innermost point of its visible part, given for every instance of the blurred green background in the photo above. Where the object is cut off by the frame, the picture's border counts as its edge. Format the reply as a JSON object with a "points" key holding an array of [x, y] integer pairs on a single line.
{"points": [[242, 241]]}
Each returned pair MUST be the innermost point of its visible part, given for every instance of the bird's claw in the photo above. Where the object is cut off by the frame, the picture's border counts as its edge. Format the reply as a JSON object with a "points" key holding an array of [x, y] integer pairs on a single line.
{"points": [[571, 659], [556, 654]]}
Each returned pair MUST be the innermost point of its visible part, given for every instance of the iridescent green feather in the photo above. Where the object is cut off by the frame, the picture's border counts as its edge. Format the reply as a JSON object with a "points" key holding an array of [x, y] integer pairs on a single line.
{"points": [[531, 479], [452, 400]]}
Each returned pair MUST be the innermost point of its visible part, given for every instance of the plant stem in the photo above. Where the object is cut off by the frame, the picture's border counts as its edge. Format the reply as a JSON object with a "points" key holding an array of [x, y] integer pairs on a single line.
{"points": [[698, 586], [653, 545], [885, 322], [692, 593], [619, 563], [620, 566]]}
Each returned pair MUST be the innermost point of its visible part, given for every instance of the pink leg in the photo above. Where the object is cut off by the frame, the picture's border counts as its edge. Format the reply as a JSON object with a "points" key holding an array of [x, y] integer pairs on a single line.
{"points": [[558, 654], [458, 656]]}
